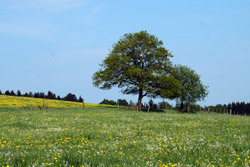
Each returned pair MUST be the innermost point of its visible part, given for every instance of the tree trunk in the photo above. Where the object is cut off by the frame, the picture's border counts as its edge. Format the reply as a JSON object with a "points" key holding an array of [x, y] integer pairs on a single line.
{"points": [[43, 102], [83, 103], [182, 106], [148, 108], [139, 100]]}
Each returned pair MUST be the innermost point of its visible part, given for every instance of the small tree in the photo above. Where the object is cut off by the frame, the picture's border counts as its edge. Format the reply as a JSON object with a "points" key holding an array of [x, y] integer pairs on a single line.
{"points": [[122, 102], [30, 94], [70, 97], [58, 98], [140, 64], [164, 105], [19, 93], [109, 102], [7, 92], [192, 89], [26, 94], [152, 105], [41, 95], [80, 99], [36, 95], [51, 95], [12, 93]]}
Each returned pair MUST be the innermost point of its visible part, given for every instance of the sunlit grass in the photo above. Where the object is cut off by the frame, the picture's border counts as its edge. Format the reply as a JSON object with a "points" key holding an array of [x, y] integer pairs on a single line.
{"points": [[109, 137], [27, 102]]}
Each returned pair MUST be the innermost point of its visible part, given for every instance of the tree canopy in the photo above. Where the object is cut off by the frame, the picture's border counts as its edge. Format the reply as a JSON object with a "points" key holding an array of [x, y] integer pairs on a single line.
{"points": [[192, 89], [140, 65]]}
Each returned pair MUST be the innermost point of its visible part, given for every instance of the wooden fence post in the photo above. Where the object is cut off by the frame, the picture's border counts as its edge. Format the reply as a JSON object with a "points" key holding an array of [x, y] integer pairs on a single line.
{"points": [[148, 108], [83, 103], [230, 111], [132, 106], [43, 102]]}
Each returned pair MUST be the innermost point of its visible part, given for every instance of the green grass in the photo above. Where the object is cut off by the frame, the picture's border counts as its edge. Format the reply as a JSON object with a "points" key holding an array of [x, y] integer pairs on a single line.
{"points": [[102, 136]]}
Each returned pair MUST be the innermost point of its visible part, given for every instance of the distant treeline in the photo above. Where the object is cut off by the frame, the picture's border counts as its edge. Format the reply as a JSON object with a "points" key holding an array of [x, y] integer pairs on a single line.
{"points": [[121, 102], [49, 95], [236, 108], [150, 106]]}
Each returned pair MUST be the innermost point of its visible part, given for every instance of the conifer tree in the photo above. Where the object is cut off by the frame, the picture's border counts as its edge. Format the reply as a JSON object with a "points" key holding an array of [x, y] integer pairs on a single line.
{"points": [[19, 93], [80, 99], [7, 92]]}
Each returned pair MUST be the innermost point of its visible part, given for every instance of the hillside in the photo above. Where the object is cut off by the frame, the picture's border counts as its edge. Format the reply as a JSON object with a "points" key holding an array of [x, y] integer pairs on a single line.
{"points": [[28, 102]]}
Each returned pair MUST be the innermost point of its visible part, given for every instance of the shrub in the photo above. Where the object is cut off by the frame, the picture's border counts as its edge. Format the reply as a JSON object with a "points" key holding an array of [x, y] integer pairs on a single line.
{"points": [[109, 102]]}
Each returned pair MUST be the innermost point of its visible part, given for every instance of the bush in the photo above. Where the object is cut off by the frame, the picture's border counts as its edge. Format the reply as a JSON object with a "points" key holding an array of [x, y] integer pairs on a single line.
{"points": [[123, 102], [109, 102]]}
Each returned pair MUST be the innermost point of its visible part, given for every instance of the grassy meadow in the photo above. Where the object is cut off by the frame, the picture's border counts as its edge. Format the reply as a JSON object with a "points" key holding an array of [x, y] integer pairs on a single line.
{"points": [[106, 136]]}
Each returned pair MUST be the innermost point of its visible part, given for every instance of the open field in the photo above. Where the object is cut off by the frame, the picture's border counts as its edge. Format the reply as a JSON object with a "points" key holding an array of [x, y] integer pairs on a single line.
{"points": [[102, 136], [29, 102]]}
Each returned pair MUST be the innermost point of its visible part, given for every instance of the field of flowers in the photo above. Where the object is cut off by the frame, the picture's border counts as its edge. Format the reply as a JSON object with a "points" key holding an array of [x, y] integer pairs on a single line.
{"points": [[28, 102], [98, 136]]}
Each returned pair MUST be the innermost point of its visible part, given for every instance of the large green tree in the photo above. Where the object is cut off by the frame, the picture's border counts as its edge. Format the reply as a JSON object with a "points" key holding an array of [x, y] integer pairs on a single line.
{"points": [[140, 65], [192, 89]]}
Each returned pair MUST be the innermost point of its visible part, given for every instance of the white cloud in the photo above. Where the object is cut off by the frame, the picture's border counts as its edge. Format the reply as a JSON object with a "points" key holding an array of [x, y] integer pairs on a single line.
{"points": [[47, 5]]}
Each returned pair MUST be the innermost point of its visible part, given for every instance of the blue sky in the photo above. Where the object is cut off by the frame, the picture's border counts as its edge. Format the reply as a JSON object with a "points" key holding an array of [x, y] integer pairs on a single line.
{"points": [[57, 45]]}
